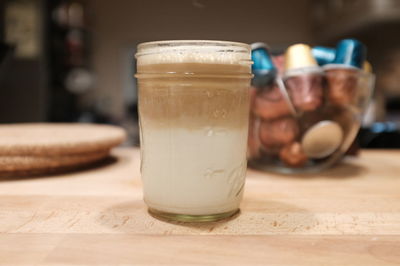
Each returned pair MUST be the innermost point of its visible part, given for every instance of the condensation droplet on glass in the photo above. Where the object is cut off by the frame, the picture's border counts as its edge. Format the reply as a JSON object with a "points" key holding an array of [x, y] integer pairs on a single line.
{"points": [[216, 113], [207, 173], [221, 132], [213, 173], [223, 113], [220, 113], [208, 131]]}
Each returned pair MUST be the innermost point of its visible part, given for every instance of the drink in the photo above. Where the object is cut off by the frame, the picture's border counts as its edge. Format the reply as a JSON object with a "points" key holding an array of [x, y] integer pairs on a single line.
{"points": [[193, 105]]}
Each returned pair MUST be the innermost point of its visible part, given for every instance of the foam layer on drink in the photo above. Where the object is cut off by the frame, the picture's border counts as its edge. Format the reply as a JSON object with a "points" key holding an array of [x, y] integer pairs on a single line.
{"points": [[205, 52]]}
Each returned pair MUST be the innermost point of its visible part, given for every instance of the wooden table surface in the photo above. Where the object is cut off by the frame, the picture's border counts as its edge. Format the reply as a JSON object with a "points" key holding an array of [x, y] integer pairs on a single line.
{"points": [[349, 215]]}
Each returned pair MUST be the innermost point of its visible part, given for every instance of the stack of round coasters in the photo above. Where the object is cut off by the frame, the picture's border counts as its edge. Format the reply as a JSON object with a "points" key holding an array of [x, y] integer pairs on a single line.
{"points": [[45, 148]]}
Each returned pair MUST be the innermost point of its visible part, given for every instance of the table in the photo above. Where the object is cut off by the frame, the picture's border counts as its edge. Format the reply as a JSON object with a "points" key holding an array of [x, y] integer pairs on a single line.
{"points": [[349, 215]]}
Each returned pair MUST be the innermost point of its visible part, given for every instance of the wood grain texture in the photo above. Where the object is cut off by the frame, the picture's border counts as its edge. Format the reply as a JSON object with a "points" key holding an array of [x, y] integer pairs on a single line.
{"points": [[349, 215]]}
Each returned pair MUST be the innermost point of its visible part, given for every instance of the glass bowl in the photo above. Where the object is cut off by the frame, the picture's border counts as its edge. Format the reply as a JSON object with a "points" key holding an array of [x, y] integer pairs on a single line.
{"points": [[307, 121]]}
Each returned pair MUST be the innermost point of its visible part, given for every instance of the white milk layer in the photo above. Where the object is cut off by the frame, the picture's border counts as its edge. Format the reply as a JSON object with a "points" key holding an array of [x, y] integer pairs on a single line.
{"points": [[194, 172]]}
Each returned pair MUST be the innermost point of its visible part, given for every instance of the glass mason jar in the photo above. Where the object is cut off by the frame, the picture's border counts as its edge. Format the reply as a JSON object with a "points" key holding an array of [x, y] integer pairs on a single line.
{"points": [[193, 112], [306, 122]]}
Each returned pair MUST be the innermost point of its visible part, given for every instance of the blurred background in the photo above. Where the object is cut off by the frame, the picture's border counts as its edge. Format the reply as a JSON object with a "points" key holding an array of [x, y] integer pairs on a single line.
{"points": [[72, 61]]}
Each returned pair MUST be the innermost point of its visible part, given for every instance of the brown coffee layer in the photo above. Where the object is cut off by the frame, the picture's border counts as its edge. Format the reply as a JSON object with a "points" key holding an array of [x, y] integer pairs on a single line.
{"points": [[194, 102], [194, 95]]}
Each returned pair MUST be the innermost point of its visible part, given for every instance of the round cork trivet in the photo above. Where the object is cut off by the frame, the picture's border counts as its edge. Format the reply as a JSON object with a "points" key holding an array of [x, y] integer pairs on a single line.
{"points": [[30, 163], [58, 139], [14, 166]]}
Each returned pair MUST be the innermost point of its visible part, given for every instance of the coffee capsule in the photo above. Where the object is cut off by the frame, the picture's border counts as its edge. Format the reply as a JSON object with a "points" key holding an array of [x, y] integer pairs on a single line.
{"points": [[342, 85], [279, 62], [322, 139], [271, 103], [299, 59], [252, 94], [367, 67], [323, 55], [293, 155], [303, 78], [253, 141], [263, 68], [342, 73], [350, 53], [348, 119], [306, 91], [279, 132]]}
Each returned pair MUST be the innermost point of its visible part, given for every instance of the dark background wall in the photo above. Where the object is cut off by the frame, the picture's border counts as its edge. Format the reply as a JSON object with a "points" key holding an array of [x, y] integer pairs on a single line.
{"points": [[118, 28]]}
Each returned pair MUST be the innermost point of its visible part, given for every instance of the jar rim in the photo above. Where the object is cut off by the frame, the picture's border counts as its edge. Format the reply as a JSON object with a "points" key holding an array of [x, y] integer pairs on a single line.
{"points": [[156, 47], [177, 43]]}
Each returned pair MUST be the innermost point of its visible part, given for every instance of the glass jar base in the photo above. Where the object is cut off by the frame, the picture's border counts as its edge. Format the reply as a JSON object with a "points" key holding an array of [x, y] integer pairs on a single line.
{"points": [[191, 218]]}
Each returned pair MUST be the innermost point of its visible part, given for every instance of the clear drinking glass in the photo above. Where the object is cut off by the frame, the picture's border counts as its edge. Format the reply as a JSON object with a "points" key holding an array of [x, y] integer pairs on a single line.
{"points": [[193, 111]]}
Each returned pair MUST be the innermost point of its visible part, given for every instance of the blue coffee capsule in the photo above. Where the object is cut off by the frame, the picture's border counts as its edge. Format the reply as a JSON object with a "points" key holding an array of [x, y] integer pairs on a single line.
{"points": [[263, 68], [323, 55], [350, 52]]}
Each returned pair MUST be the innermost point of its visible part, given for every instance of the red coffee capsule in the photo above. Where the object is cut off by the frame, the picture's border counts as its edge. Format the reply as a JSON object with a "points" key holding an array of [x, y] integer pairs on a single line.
{"points": [[269, 103], [252, 94], [342, 85], [306, 91], [303, 78], [279, 62], [293, 155], [278, 132], [348, 120], [253, 142]]}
